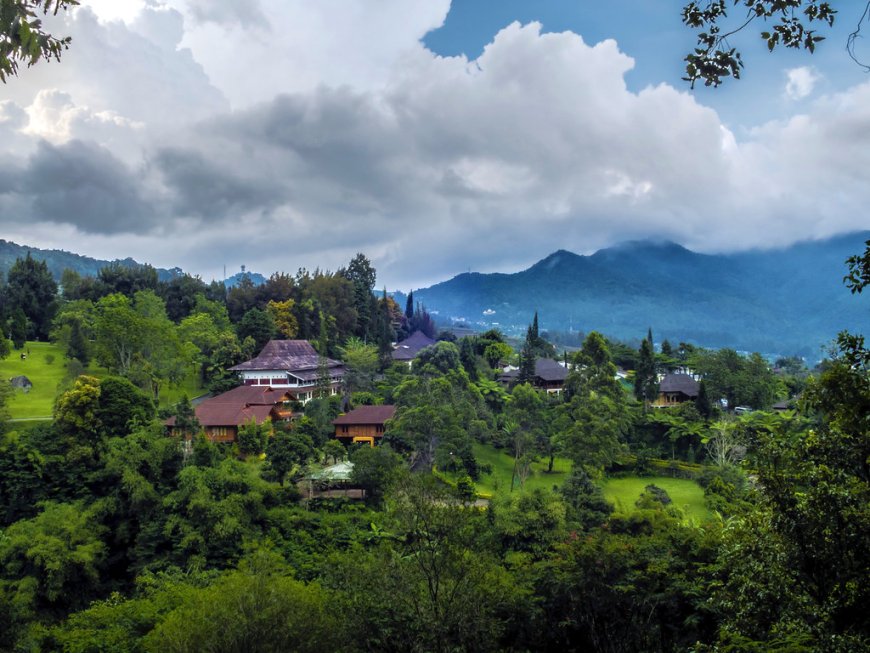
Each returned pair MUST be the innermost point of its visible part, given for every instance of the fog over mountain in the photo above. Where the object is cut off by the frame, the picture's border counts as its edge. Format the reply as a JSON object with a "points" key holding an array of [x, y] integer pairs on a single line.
{"points": [[786, 300]]}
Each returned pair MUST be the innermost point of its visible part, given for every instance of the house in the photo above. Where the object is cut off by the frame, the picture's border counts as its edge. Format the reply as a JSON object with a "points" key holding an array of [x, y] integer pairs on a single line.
{"points": [[221, 416], [407, 350], [292, 365], [363, 424], [550, 375], [676, 389]]}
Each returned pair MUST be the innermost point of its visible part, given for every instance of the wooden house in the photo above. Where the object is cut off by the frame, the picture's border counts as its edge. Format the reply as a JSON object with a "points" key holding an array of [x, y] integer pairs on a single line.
{"points": [[363, 424], [676, 389]]}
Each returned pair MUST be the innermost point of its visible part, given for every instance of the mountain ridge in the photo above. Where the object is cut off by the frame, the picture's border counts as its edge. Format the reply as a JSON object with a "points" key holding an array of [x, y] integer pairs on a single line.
{"points": [[784, 299]]}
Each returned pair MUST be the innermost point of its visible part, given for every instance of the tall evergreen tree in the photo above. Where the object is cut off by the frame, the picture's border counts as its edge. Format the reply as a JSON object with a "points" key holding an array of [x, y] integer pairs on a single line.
{"points": [[535, 333], [645, 378], [527, 359], [409, 306]]}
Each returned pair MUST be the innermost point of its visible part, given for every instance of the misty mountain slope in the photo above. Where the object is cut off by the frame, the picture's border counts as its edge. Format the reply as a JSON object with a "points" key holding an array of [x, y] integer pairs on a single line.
{"points": [[788, 300]]}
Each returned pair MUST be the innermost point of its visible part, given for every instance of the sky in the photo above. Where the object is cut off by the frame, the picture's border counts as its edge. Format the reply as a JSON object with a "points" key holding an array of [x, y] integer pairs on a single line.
{"points": [[436, 137]]}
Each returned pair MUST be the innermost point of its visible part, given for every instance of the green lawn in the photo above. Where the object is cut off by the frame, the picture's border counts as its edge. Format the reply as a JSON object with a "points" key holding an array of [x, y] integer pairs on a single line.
{"points": [[46, 377], [685, 494], [502, 468]]}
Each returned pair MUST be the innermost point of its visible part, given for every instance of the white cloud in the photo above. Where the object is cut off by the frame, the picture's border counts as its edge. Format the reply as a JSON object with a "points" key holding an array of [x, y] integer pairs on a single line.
{"points": [[800, 82], [348, 135]]}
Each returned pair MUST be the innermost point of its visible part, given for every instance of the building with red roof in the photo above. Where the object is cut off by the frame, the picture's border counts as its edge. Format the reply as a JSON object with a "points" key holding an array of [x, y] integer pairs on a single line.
{"points": [[221, 416]]}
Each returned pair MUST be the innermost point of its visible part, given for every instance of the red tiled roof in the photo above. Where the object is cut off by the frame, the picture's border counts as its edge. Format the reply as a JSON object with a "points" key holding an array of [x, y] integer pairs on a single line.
{"points": [[288, 355], [366, 415], [238, 406]]}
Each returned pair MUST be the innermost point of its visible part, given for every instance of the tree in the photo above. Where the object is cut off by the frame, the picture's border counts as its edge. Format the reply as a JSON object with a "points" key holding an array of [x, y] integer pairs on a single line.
{"points": [[646, 382], [362, 363], [286, 451], [526, 373], [282, 316], [253, 437], [31, 288], [258, 325], [22, 38], [714, 59]]}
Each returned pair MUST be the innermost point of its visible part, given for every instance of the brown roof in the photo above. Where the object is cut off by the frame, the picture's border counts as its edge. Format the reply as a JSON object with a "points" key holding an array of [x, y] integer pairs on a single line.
{"points": [[253, 395], [366, 415], [289, 355], [679, 383], [409, 347], [238, 406]]}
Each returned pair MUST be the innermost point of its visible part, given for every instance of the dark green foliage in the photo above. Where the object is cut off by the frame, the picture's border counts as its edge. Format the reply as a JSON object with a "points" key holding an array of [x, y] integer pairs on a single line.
{"points": [[122, 406], [286, 451], [792, 26], [375, 469], [258, 325], [702, 402], [31, 289], [18, 328], [78, 347], [526, 372], [646, 385], [584, 500]]}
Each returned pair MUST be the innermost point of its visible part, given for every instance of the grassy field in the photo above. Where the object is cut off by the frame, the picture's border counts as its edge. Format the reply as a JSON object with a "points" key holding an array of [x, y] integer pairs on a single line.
{"points": [[502, 467], [46, 377], [687, 495]]}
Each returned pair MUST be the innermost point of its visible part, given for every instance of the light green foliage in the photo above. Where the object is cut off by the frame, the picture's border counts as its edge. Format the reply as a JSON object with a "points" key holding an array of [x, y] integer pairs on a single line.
{"points": [[334, 450], [501, 464], [437, 413], [54, 560], [212, 512], [258, 607], [362, 361], [253, 437], [76, 410]]}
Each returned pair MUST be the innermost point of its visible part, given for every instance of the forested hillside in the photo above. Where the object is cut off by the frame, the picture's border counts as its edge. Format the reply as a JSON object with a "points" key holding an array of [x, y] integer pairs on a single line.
{"points": [[475, 520], [787, 301]]}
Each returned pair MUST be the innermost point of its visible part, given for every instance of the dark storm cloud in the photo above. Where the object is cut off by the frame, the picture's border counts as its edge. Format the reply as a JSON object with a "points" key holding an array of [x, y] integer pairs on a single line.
{"points": [[203, 188], [85, 185]]}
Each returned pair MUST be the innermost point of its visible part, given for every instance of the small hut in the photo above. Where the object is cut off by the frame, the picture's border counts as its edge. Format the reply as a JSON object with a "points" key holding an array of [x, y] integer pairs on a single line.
{"points": [[21, 382]]}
